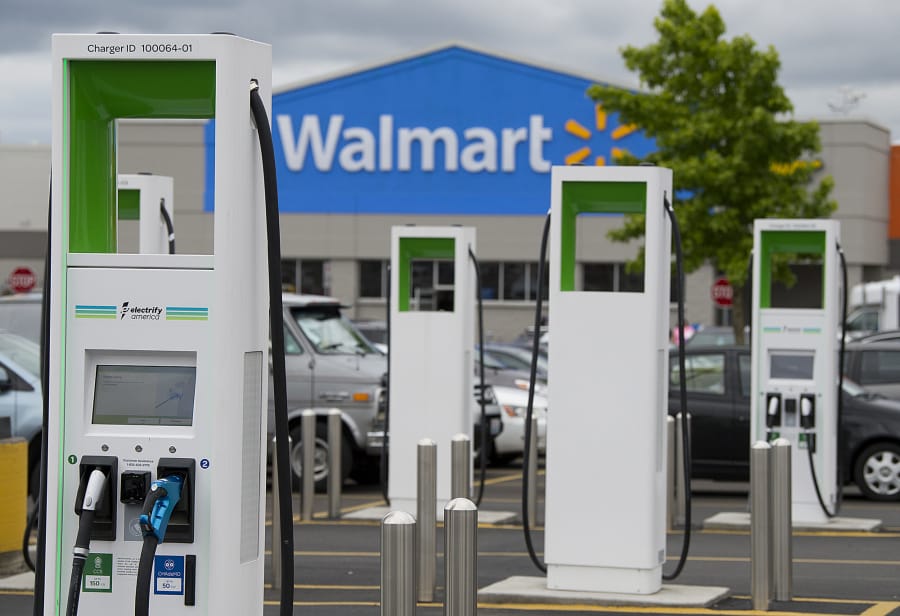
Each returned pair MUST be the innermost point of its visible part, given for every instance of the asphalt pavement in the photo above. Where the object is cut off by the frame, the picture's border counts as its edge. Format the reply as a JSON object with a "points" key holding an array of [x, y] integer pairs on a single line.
{"points": [[337, 562]]}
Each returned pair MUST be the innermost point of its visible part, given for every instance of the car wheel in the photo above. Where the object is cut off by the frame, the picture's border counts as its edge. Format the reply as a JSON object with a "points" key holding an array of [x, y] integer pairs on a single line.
{"points": [[877, 472], [320, 457]]}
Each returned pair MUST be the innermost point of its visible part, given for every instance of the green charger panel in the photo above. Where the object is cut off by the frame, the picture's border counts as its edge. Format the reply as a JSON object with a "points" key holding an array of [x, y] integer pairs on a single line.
{"points": [[97, 94], [419, 248], [593, 198], [786, 243]]}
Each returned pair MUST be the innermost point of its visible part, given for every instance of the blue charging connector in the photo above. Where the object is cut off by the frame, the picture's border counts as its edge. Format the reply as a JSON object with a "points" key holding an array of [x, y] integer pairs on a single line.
{"points": [[158, 506]]}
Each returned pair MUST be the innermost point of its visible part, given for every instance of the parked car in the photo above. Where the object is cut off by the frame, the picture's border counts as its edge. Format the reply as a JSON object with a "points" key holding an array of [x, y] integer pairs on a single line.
{"points": [[711, 336], [21, 401], [875, 365], [515, 357], [719, 401], [375, 332], [513, 403], [330, 364], [21, 314]]}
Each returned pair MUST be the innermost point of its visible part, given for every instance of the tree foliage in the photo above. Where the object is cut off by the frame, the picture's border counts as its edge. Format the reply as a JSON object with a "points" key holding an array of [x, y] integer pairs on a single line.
{"points": [[724, 125]]}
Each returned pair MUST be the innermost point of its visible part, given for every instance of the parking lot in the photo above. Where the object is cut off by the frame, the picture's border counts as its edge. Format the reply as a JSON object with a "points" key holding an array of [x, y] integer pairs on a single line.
{"points": [[337, 566]]}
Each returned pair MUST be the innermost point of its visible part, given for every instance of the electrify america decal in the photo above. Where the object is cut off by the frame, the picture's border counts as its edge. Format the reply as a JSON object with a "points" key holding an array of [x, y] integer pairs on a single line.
{"points": [[140, 313]]}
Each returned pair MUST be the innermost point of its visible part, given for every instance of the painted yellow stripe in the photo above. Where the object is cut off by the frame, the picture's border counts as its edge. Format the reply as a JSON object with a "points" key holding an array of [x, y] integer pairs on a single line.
{"points": [[601, 118], [514, 476], [576, 157], [882, 608], [333, 603], [574, 128], [623, 130], [634, 609], [17, 593]]}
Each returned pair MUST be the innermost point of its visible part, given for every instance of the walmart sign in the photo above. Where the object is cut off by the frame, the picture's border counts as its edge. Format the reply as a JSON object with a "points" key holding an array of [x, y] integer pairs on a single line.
{"points": [[453, 131]]}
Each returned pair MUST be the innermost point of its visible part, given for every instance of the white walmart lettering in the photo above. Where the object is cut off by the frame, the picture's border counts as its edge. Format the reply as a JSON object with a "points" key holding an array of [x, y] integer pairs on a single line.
{"points": [[357, 147]]}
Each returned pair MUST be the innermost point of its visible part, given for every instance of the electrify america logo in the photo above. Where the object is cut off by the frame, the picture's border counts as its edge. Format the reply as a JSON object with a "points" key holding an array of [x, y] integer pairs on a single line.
{"points": [[140, 313]]}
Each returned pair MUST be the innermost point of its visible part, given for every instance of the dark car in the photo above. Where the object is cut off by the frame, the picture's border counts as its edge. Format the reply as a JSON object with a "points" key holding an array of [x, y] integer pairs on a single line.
{"points": [[718, 387], [875, 365]]}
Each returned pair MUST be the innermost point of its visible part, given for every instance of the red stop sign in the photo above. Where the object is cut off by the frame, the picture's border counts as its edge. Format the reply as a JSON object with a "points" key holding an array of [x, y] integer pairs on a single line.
{"points": [[21, 280], [722, 293]]}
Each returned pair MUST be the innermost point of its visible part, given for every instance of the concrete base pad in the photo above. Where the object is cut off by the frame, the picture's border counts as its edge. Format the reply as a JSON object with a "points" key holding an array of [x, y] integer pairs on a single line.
{"points": [[524, 589], [484, 517], [22, 581], [741, 521]]}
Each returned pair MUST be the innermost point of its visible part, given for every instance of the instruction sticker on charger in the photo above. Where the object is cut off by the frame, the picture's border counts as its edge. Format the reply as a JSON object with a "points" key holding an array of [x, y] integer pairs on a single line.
{"points": [[169, 576], [97, 575]]}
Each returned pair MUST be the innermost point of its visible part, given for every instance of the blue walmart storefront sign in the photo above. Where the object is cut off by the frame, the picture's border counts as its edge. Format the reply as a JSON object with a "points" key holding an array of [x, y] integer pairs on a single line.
{"points": [[453, 131]]}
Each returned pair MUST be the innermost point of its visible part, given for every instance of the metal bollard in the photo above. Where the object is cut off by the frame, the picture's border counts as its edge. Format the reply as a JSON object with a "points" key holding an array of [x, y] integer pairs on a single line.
{"points": [[335, 472], [532, 473], [308, 430], [398, 564], [670, 473], [681, 489], [276, 521], [460, 550], [760, 527], [460, 466], [426, 514], [782, 550]]}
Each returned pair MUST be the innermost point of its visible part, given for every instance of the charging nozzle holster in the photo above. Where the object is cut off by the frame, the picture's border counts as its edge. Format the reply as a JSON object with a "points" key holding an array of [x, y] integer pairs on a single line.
{"points": [[158, 506]]}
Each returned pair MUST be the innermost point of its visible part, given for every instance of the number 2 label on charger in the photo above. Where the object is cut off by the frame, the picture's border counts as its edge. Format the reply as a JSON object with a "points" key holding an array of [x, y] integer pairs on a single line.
{"points": [[169, 575]]}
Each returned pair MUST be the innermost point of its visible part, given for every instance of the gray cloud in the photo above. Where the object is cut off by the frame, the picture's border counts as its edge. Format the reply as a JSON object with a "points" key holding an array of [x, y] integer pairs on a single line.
{"points": [[822, 45]]}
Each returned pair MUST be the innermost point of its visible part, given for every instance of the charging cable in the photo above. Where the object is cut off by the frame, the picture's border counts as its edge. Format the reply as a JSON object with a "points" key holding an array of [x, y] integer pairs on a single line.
{"points": [[93, 493], [529, 412], [810, 435], [170, 228], [164, 494], [682, 391], [483, 428]]}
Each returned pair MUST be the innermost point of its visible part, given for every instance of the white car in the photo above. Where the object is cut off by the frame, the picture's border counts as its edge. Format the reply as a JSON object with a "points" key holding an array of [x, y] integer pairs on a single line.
{"points": [[513, 403]]}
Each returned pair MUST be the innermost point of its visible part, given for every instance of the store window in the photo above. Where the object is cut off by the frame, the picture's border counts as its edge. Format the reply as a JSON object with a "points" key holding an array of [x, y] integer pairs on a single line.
{"points": [[307, 276], [373, 278], [611, 277]]}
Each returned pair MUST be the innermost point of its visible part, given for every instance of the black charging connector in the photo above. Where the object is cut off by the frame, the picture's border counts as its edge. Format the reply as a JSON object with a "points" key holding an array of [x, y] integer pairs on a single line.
{"points": [[104, 526], [181, 524]]}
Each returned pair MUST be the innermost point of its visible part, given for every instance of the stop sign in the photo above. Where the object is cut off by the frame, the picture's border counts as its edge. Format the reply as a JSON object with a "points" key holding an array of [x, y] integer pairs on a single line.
{"points": [[21, 280], [722, 293]]}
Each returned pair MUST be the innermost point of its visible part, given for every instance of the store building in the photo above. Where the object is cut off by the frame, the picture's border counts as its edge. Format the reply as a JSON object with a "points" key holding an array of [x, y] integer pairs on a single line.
{"points": [[451, 135]]}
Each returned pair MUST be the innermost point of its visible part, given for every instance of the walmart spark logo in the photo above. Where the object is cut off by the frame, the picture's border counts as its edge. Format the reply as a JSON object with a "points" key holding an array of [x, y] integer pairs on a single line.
{"points": [[575, 128]]}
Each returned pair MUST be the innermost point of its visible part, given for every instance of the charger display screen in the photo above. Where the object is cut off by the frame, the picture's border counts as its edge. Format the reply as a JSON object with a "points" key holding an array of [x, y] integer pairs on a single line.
{"points": [[791, 366], [144, 395]]}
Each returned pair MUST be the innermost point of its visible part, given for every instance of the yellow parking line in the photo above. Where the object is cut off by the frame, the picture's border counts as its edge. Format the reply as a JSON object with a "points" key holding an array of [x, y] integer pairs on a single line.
{"points": [[331, 587], [636, 609], [882, 608]]}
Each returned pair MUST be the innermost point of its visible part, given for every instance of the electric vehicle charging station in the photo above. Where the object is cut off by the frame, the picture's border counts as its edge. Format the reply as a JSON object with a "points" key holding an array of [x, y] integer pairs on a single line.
{"points": [[794, 373], [157, 367], [149, 199], [431, 354], [609, 361]]}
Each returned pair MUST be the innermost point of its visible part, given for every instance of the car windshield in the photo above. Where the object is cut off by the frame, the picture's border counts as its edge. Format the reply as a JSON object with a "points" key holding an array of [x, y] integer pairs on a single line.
{"points": [[853, 389], [22, 318], [22, 351], [329, 332], [519, 359]]}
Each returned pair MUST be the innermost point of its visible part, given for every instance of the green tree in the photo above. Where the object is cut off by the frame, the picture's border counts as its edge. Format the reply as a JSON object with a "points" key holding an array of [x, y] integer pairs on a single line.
{"points": [[723, 125]]}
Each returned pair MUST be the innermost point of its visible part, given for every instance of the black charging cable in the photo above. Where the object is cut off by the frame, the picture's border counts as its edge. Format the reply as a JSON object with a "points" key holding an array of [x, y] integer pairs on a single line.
{"points": [[810, 437], [682, 394], [483, 427], [383, 454], [279, 377], [41, 504], [170, 228], [94, 489], [529, 413]]}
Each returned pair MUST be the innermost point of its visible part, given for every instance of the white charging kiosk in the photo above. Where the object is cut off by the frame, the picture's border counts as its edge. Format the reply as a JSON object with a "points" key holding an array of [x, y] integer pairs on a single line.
{"points": [[157, 365], [432, 347], [606, 449], [148, 199], [795, 342]]}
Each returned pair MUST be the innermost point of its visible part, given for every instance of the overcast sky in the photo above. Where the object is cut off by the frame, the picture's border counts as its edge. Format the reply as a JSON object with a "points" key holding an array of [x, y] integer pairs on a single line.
{"points": [[824, 45]]}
